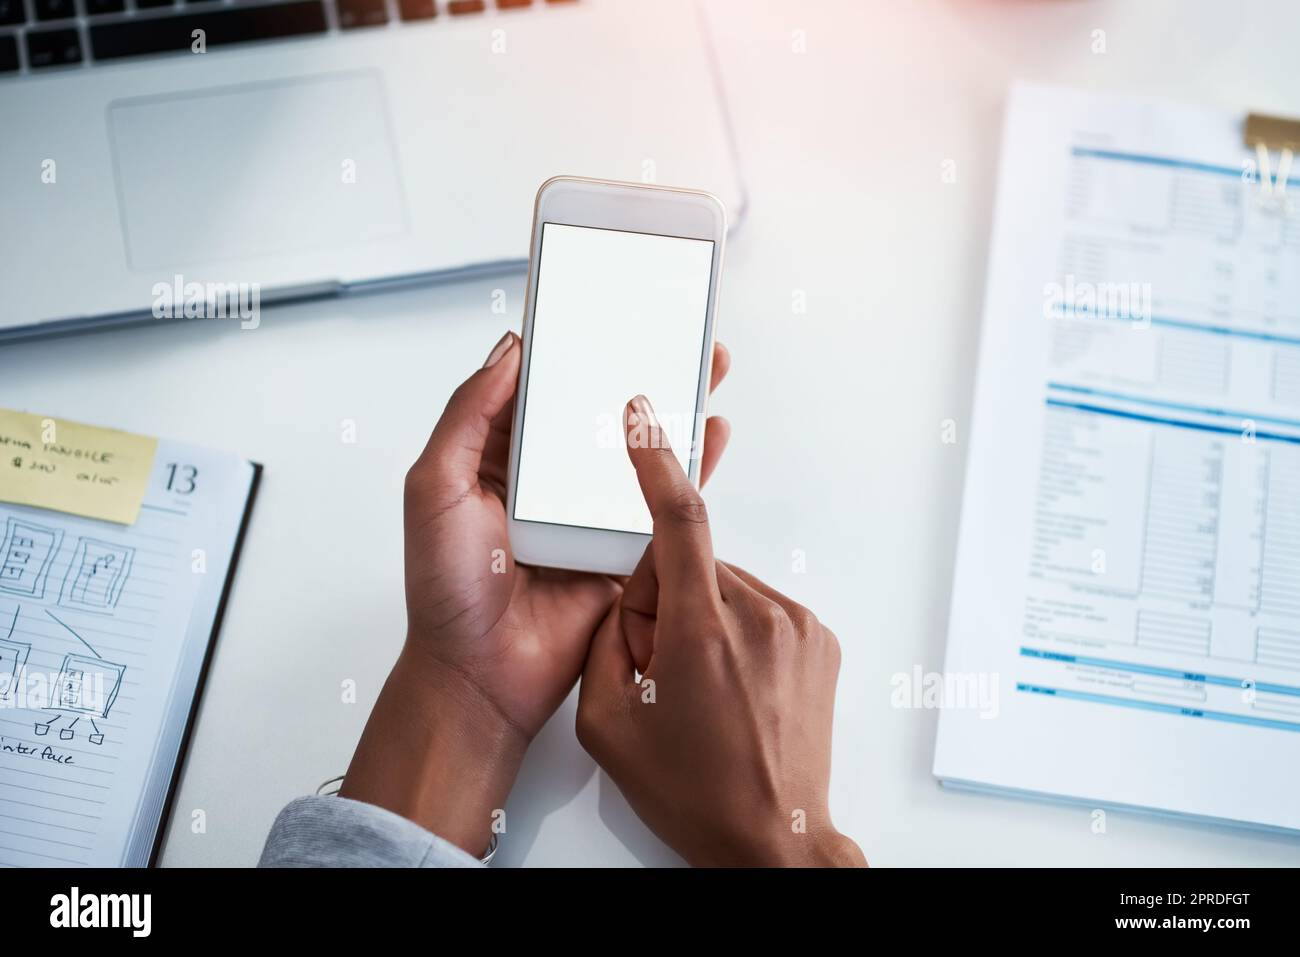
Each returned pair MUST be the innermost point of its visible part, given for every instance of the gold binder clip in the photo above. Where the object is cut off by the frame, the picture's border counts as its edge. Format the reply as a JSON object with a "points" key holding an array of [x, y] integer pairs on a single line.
{"points": [[1266, 133]]}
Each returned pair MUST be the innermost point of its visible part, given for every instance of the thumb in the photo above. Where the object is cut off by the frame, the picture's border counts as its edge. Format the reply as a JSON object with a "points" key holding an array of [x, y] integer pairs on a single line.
{"points": [[608, 673], [455, 449], [639, 608]]}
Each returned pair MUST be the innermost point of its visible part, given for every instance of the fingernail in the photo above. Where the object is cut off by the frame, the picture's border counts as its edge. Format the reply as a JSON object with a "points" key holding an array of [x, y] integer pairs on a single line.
{"points": [[642, 409], [500, 349]]}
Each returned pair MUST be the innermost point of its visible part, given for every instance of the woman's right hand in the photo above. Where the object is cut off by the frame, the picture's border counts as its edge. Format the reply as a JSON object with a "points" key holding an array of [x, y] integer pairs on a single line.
{"points": [[724, 746]]}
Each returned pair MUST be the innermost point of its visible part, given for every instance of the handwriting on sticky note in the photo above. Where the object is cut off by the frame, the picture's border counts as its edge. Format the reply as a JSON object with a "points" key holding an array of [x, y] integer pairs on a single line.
{"points": [[71, 467]]}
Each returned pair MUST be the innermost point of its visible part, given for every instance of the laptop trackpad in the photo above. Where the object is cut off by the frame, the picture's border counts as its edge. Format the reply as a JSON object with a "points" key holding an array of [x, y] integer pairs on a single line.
{"points": [[246, 172]]}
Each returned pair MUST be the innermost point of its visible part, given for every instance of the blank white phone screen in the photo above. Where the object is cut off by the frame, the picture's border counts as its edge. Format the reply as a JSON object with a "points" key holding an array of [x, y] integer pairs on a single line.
{"points": [[617, 313]]}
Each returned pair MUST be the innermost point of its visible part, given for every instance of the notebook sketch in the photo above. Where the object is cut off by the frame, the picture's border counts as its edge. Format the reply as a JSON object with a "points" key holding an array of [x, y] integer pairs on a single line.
{"points": [[86, 684], [13, 655], [96, 575], [25, 557], [103, 630]]}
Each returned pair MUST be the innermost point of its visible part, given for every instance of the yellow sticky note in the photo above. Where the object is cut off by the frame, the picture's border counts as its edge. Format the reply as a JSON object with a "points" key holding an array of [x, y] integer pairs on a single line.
{"points": [[70, 467]]}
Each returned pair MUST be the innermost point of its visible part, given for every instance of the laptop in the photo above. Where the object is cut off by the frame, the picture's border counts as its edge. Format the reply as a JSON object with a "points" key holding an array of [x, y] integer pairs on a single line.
{"points": [[305, 148]]}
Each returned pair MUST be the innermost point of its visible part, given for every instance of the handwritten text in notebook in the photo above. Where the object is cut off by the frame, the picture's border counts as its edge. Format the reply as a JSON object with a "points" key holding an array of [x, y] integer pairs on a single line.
{"points": [[103, 628], [70, 467]]}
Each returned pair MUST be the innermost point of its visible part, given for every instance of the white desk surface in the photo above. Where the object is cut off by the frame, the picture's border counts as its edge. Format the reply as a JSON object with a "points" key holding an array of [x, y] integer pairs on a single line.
{"points": [[836, 448]]}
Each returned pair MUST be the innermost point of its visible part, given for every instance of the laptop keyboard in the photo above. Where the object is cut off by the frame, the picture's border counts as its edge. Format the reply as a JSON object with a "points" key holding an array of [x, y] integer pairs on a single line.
{"points": [[36, 35]]}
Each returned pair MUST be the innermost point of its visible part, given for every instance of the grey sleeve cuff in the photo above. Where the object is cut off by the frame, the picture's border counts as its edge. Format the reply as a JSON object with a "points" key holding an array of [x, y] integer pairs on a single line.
{"points": [[337, 832]]}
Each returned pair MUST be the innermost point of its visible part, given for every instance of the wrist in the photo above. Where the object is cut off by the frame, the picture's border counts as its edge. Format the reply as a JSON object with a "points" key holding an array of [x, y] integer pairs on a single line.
{"points": [[834, 849], [828, 848], [821, 845], [437, 751]]}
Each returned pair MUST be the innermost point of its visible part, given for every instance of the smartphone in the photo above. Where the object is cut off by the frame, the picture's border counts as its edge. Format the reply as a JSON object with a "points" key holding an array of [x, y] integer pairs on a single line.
{"points": [[622, 293]]}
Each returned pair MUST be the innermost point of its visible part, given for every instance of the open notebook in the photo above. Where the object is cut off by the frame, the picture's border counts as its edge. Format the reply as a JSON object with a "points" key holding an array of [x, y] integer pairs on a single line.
{"points": [[105, 634], [1128, 571]]}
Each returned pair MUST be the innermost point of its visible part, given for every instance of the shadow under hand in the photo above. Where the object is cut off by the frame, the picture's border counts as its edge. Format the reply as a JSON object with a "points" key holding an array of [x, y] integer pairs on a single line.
{"points": [[554, 772], [631, 833]]}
